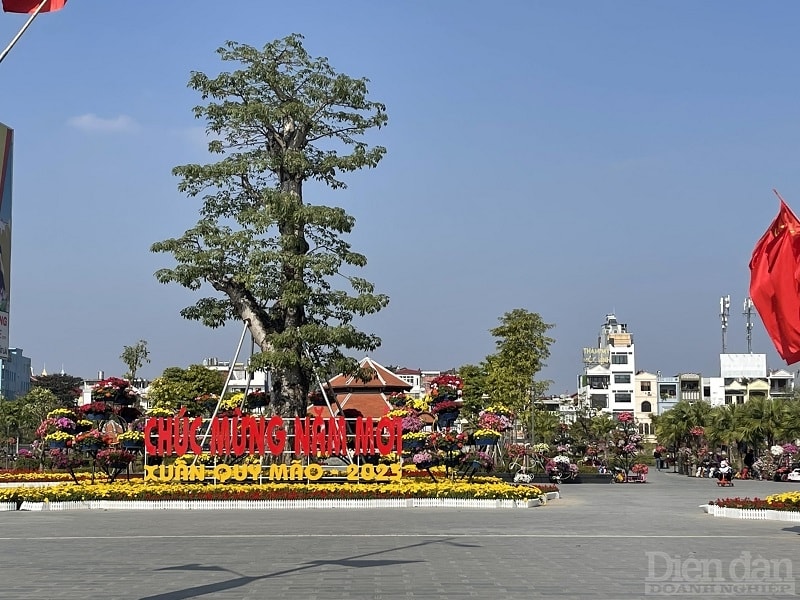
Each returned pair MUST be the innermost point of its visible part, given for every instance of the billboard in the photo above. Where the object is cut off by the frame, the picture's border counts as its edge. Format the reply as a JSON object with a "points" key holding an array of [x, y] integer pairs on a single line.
{"points": [[596, 356], [6, 167], [742, 365]]}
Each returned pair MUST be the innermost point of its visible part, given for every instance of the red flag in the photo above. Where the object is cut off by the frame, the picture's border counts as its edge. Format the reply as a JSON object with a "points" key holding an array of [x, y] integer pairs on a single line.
{"points": [[29, 6], [775, 282]]}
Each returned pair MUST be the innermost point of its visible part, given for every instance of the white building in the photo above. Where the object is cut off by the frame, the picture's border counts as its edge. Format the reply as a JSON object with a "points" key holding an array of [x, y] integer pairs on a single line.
{"points": [[241, 377], [607, 383]]}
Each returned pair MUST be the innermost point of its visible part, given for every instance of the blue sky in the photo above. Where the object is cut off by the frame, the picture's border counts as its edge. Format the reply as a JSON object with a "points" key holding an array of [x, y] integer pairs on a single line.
{"points": [[570, 159]]}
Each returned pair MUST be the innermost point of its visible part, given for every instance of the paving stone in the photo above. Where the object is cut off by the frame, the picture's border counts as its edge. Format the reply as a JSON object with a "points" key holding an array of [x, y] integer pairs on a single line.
{"points": [[591, 543]]}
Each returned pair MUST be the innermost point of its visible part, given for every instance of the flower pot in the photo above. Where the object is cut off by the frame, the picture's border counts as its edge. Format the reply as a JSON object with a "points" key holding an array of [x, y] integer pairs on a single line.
{"points": [[90, 447], [57, 443], [487, 441], [132, 444], [447, 419], [413, 444], [94, 417]]}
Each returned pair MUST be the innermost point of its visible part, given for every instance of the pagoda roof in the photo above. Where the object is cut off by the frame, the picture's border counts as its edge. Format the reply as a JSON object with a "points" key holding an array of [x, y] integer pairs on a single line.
{"points": [[383, 380]]}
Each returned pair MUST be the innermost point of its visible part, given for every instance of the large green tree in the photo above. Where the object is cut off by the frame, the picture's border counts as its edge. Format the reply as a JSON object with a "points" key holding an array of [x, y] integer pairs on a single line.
{"points": [[522, 346], [177, 387], [66, 388], [281, 120], [476, 392]]}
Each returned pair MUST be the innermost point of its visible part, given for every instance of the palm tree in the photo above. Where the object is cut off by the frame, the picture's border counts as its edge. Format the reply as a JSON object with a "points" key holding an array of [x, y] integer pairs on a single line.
{"points": [[723, 427], [762, 421]]}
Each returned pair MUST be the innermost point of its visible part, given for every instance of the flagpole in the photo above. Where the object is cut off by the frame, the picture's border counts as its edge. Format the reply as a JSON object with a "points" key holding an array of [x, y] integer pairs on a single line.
{"points": [[24, 28]]}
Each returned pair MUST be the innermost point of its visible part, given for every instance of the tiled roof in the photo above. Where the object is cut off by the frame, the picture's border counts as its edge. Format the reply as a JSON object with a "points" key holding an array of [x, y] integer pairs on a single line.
{"points": [[364, 404], [383, 379], [405, 371]]}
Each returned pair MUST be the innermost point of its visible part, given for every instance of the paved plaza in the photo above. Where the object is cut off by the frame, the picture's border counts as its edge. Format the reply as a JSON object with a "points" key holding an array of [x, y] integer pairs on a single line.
{"points": [[597, 541]]}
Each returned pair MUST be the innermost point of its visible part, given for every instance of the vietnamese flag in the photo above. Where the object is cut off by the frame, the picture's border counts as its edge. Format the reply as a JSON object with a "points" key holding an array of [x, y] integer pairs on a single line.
{"points": [[775, 282], [30, 6]]}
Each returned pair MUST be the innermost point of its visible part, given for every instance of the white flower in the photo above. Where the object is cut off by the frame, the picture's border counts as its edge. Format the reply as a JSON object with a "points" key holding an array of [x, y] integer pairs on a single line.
{"points": [[776, 450]]}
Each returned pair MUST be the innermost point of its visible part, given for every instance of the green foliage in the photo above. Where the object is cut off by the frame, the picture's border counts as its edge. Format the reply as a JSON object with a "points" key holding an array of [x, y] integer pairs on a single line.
{"points": [[12, 420], [475, 387], [281, 119], [522, 347], [134, 358], [34, 407], [66, 388], [178, 387]]}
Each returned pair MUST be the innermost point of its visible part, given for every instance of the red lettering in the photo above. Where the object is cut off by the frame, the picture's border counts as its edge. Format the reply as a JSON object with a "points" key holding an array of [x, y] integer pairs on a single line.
{"points": [[276, 435], [180, 427], [164, 430], [384, 436], [194, 425], [149, 425], [220, 436], [319, 435], [337, 436], [302, 436], [365, 436], [257, 432]]}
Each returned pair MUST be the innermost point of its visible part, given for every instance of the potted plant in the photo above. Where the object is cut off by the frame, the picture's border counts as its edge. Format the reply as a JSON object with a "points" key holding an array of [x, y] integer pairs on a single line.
{"points": [[424, 460], [414, 439], [115, 459], [478, 460], [95, 411], [131, 440], [446, 412], [446, 387], [89, 441], [485, 437], [58, 439], [257, 399], [160, 411], [113, 389]]}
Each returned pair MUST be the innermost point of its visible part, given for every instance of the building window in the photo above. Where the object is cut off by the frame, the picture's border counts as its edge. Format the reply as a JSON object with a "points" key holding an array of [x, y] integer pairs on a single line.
{"points": [[668, 391], [647, 407], [622, 378], [599, 401], [619, 358], [644, 429], [645, 386], [622, 397]]}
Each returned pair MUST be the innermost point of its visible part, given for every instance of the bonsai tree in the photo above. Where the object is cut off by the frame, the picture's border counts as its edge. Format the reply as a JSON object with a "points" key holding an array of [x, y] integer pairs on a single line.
{"points": [[277, 122]]}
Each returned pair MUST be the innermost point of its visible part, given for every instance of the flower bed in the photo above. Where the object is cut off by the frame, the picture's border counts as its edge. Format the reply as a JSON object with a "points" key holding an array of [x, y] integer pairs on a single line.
{"points": [[487, 489], [777, 507]]}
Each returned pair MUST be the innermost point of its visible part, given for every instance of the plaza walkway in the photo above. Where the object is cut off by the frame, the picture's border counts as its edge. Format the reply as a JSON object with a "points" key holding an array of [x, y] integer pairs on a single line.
{"points": [[596, 542]]}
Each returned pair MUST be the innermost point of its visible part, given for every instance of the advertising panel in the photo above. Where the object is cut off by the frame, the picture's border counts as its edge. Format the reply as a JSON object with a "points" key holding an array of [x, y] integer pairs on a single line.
{"points": [[6, 167]]}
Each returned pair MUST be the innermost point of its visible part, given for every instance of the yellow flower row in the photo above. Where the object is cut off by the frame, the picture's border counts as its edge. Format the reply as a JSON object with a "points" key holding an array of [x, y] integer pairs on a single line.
{"points": [[138, 490], [785, 497]]}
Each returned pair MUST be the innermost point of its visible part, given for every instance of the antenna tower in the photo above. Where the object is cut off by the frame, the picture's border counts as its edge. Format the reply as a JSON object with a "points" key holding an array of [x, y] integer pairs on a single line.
{"points": [[724, 313], [748, 313]]}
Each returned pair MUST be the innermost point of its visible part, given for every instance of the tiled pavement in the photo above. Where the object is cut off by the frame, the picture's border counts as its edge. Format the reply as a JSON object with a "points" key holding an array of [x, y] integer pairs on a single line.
{"points": [[592, 543]]}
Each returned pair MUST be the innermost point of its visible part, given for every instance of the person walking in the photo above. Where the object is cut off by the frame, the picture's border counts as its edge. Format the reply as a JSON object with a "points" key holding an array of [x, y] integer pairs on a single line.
{"points": [[657, 457]]}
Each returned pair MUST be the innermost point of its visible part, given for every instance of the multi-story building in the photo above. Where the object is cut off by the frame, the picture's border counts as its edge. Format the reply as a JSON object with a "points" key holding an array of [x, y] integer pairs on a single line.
{"points": [[15, 374], [413, 377], [645, 403], [242, 378], [607, 383]]}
